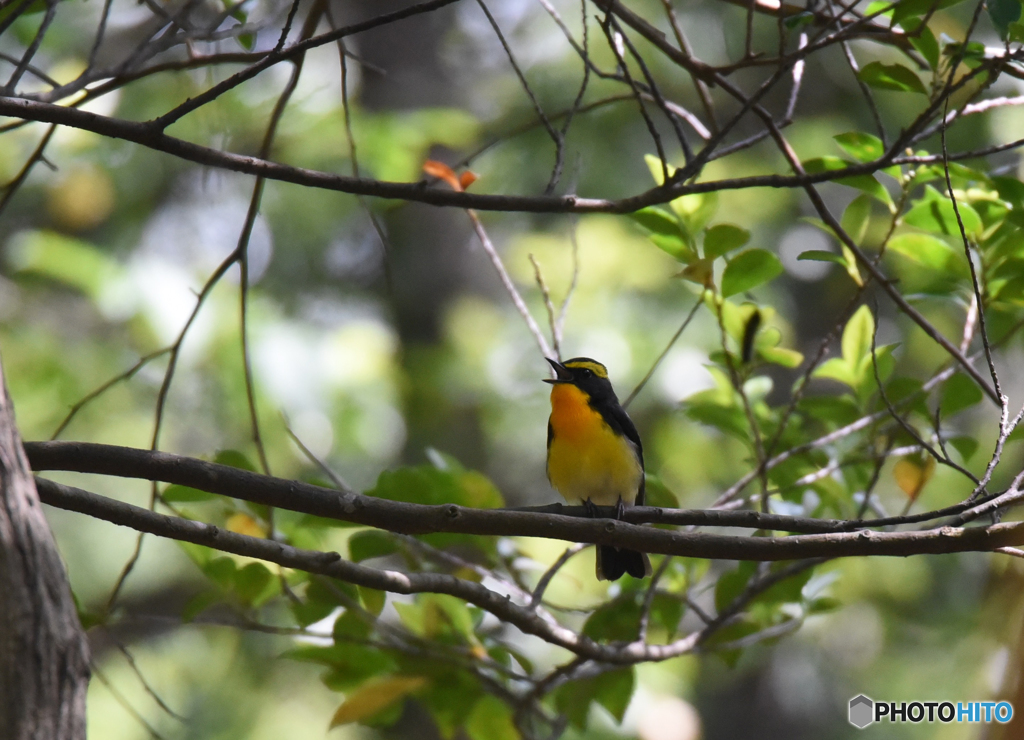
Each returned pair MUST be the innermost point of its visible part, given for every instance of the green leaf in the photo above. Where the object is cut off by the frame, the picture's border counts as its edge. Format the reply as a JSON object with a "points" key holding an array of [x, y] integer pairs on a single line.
{"points": [[856, 218], [695, 211], [657, 171], [820, 255], [176, 494], [749, 269], [658, 494], [195, 606], [491, 719], [926, 45], [612, 690], [615, 621], [787, 590], [1003, 13], [880, 8], [351, 626], [372, 543], [926, 250], [891, 77], [966, 446], [838, 369], [657, 221], [865, 183], [731, 584], [254, 584], [73, 262], [674, 245], [936, 215], [234, 459], [959, 393], [426, 484], [857, 335], [373, 600], [723, 238], [1015, 32], [861, 146], [781, 356]]}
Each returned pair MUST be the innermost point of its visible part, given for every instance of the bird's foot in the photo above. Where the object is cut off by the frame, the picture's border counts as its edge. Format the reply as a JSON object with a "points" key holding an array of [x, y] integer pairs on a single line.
{"points": [[620, 508], [591, 508]]}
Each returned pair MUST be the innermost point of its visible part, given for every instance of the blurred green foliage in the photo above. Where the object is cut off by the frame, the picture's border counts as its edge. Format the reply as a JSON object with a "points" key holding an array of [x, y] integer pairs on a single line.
{"points": [[104, 257]]}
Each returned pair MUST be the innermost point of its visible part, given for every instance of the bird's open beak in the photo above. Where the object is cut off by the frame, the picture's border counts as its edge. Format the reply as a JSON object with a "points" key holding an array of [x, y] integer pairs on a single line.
{"points": [[562, 375]]}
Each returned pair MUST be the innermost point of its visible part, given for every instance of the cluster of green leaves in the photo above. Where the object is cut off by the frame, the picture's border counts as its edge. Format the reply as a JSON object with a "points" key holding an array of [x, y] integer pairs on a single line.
{"points": [[683, 231]]}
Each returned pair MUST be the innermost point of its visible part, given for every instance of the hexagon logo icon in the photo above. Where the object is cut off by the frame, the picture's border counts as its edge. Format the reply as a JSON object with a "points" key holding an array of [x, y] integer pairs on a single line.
{"points": [[862, 711]]}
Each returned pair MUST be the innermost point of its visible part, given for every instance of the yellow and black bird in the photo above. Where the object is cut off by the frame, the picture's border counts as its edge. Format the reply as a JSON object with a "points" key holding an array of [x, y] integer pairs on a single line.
{"points": [[594, 453]]}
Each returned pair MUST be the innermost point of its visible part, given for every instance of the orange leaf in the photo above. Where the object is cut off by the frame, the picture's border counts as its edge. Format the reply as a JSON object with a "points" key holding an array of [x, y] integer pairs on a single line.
{"points": [[912, 472], [244, 524], [443, 172], [467, 178]]}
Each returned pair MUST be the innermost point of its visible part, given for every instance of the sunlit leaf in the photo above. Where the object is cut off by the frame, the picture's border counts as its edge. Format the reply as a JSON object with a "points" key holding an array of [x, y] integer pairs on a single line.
{"points": [[937, 216], [857, 335], [781, 356], [927, 250], [657, 169], [695, 211]]}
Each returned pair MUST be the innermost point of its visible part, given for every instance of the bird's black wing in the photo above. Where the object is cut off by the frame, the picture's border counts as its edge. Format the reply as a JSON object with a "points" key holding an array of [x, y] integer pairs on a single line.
{"points": [[619, 421]]}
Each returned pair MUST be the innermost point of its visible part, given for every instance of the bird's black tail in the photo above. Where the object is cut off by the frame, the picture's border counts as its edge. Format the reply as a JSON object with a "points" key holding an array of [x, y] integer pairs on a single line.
{"points": [[613, 563]]}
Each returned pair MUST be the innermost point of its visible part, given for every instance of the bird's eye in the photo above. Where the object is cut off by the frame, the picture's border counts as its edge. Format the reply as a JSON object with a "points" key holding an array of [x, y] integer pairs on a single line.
{"points": [[586, 373]]}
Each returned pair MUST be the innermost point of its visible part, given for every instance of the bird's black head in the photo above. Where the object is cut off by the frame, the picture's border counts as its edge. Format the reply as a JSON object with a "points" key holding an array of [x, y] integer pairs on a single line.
{"points": [[590, 376]]}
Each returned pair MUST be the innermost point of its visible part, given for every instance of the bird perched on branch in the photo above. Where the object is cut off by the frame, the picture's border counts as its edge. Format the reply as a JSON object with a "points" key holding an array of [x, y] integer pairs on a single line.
{"points": [[594, 454]]}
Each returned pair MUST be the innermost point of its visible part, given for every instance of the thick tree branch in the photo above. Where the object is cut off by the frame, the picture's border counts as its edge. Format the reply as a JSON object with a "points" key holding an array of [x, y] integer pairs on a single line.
{"points": [[407, 518]]}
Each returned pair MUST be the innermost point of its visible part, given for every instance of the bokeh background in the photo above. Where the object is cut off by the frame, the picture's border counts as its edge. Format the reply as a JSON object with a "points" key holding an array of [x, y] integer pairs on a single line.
{"points": [[377, 354]]}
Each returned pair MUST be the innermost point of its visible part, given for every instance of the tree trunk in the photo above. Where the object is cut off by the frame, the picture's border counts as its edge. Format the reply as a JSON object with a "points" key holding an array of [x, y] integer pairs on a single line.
{"points": [[44, 658]]}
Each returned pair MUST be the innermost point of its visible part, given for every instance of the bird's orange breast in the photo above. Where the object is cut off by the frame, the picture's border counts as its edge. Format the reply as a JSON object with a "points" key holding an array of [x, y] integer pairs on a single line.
{"points": [[586, 458]]}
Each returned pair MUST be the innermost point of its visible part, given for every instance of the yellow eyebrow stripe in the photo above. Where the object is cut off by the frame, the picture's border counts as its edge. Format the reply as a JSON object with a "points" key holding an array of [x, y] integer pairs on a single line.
{"points": [[595, 367]]}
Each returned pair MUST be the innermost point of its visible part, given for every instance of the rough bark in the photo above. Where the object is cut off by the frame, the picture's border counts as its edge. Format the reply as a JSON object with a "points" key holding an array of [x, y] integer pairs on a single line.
{"points": [[44, 658]]}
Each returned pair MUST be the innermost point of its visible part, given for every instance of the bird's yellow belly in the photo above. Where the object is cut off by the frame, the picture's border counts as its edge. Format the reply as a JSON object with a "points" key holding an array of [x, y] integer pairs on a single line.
{"points": [[593, 464]]}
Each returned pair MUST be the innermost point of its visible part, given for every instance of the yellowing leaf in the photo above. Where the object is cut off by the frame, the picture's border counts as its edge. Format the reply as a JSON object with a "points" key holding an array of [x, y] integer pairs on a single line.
{"points": [[912, 472], [701, 272], [244, 524], [375, 696]]}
